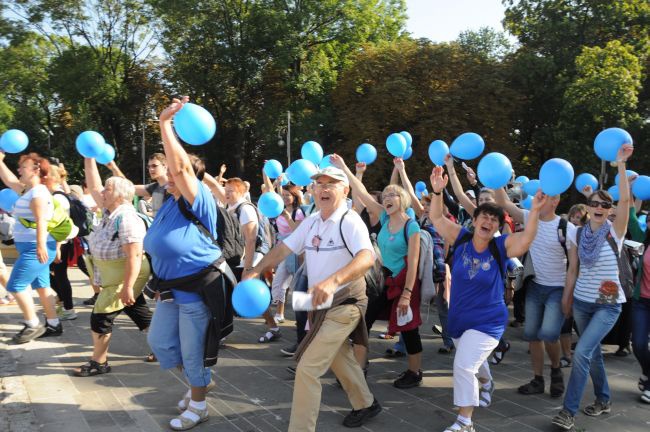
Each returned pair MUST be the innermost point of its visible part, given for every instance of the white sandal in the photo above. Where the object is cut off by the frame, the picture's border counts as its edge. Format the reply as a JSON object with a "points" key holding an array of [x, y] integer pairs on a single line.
{"points": [[185, 402], [186, 423]]}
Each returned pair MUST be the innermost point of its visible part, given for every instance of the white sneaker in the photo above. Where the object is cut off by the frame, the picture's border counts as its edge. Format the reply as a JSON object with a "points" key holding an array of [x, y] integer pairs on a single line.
{"points": [[68, 315], [279, 318], [645, 396]]}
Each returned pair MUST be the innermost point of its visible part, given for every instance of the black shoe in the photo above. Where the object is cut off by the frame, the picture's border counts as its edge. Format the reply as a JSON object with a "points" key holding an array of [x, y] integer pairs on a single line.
{"points": [[51, 331], [289, 351], [533, 387], [91, 301], [28, 334], [408, 379], [357, 418], [622, 352], [557, 383]]}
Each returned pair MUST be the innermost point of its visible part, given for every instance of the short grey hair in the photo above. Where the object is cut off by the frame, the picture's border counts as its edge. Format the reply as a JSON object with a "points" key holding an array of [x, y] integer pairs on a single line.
{"points": [[122, 188]]}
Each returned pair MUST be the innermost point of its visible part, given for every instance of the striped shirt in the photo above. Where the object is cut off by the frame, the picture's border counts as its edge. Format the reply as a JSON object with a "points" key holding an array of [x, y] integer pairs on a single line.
{"points": [[22, 210], [549, 259], [591, 286]]}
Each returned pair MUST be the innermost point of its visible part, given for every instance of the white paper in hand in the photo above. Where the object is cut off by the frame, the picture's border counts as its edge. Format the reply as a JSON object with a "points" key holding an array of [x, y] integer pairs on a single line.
{"points": [[402, 320], [301, 301]]}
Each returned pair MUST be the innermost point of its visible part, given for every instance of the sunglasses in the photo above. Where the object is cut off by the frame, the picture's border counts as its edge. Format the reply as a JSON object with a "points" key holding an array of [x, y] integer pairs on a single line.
{"points": [[603, 204]]}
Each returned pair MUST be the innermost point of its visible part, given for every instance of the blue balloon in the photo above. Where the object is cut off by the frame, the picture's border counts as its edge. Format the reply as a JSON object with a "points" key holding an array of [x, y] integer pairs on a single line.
{"points": [[251, 298], [300, 172], [613, 191], [422, 193], [272, 169], [643, 222], [468, 146], [641, 188], [586, 179], [494, 170], [407, 154], [312, 151], [90, 144], [396, 144], [629, 174], [107, 155], [556, 176], [527, 203], [438, 150], [608, 142], [270, 204], [420, 186], [13, 141], [194, 124], [285, 179], [407, 136], [531, 187], [366, 153], [8, 199], [522, 180], [325, 162]]}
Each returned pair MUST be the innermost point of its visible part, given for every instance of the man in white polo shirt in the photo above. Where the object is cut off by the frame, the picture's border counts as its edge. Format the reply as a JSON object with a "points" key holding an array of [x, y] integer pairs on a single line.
{"points": [[335, 272]]}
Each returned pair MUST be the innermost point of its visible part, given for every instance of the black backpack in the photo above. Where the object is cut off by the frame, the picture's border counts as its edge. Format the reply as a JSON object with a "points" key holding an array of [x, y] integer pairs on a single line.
{"points": [[229, 237], [81, 215]]}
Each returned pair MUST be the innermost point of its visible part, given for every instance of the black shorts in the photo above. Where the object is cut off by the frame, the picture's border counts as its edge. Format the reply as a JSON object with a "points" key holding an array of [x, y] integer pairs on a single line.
{"points": [[140, 314]]}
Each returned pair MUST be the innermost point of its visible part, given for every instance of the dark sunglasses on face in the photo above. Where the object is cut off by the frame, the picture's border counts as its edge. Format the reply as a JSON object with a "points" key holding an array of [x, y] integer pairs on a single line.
{"points": [[603, 204]]}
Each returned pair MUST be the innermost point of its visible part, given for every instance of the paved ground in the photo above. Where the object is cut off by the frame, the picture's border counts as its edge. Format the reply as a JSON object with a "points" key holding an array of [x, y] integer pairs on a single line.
{"points": [[254, 390]]}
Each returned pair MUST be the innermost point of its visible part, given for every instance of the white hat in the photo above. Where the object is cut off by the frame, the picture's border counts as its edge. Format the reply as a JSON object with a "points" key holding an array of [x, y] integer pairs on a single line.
{"points": [[333, 172]]}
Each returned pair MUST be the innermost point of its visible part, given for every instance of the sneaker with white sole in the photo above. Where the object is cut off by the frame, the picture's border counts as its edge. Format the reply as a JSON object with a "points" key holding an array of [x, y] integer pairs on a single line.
{"points": [[564, 420], [279, 318], [28, 333], [597, 408]]}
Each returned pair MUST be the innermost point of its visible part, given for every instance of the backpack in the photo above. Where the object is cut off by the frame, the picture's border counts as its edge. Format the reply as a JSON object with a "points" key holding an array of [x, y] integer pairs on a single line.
{"points": [[628, 260], [7, 223], [374, 277], [439, 266], [492, 246], [265, 236], [60, 226], [81, 215], [229, 237]]}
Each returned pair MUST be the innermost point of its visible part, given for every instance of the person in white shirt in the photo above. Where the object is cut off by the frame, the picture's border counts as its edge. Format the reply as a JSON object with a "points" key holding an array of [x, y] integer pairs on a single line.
{"points": [[335, 273]]}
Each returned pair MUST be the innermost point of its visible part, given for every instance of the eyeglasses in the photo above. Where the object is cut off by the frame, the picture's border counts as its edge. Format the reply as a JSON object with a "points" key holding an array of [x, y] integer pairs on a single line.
{"points": [[603, 204], [389, 195], [328, 186]]}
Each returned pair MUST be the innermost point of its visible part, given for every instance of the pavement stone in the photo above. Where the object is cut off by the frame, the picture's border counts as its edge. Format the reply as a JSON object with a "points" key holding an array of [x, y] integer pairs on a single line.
{"points": [[254, 390]]}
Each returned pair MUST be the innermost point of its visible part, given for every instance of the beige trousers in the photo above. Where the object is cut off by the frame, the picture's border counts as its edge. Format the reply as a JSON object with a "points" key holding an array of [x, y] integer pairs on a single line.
{"points": [[330, 348]]}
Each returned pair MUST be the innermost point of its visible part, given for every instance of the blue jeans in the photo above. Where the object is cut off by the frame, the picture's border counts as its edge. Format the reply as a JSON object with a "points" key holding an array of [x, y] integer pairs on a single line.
{"points": [[594, 321], [177, 337], [544, 317], [443, 312], [641, 333]]}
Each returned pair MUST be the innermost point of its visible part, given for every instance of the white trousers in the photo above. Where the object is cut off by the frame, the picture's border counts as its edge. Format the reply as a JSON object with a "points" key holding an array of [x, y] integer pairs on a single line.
{"points": [[281, 282], [472, 351]]}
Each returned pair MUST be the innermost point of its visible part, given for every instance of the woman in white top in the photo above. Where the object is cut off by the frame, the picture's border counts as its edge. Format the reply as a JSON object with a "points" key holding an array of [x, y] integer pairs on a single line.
{"points": [[593, 290], [36, 247]]}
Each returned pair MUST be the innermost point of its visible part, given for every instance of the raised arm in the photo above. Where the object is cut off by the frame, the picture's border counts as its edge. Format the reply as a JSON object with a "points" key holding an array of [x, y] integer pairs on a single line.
{"points": [[444, 226], [115, 170], [406, 184], [94, 182], [215, 187], [268, 184], [518, 244], [178, 162], [504, 202], [8, 178], [222, 171], [623, 208], [457, 187], [373, 207]]}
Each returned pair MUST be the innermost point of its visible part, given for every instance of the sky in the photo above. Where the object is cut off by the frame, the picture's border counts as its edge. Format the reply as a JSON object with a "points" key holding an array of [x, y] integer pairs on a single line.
{"points": [[443, 20]]}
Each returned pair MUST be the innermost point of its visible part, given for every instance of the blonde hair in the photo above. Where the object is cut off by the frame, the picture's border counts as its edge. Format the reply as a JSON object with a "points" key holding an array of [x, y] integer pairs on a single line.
{"points": [[404, 198]]}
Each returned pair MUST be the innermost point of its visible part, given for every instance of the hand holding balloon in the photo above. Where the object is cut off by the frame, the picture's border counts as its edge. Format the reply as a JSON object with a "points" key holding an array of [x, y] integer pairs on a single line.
{"points": [[360, 168], [177, 104], [624, 153]]}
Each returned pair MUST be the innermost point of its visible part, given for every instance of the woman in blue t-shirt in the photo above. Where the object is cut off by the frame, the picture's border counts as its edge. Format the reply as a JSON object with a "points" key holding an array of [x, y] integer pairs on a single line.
{"points": [[399, 244], [477, 311], [184, 260]]}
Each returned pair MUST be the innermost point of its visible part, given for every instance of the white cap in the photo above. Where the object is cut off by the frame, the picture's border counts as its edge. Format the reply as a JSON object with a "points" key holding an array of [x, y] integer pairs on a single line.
{"points": [[333, 172]]}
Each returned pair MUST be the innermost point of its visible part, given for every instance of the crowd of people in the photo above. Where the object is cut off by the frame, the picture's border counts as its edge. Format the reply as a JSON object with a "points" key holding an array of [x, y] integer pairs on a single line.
{"points": [[361, 255]]}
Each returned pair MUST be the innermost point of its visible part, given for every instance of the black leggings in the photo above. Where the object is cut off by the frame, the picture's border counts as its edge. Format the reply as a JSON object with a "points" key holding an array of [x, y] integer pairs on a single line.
{"points": [[59, 277], [139, 312], [376, 306]]}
